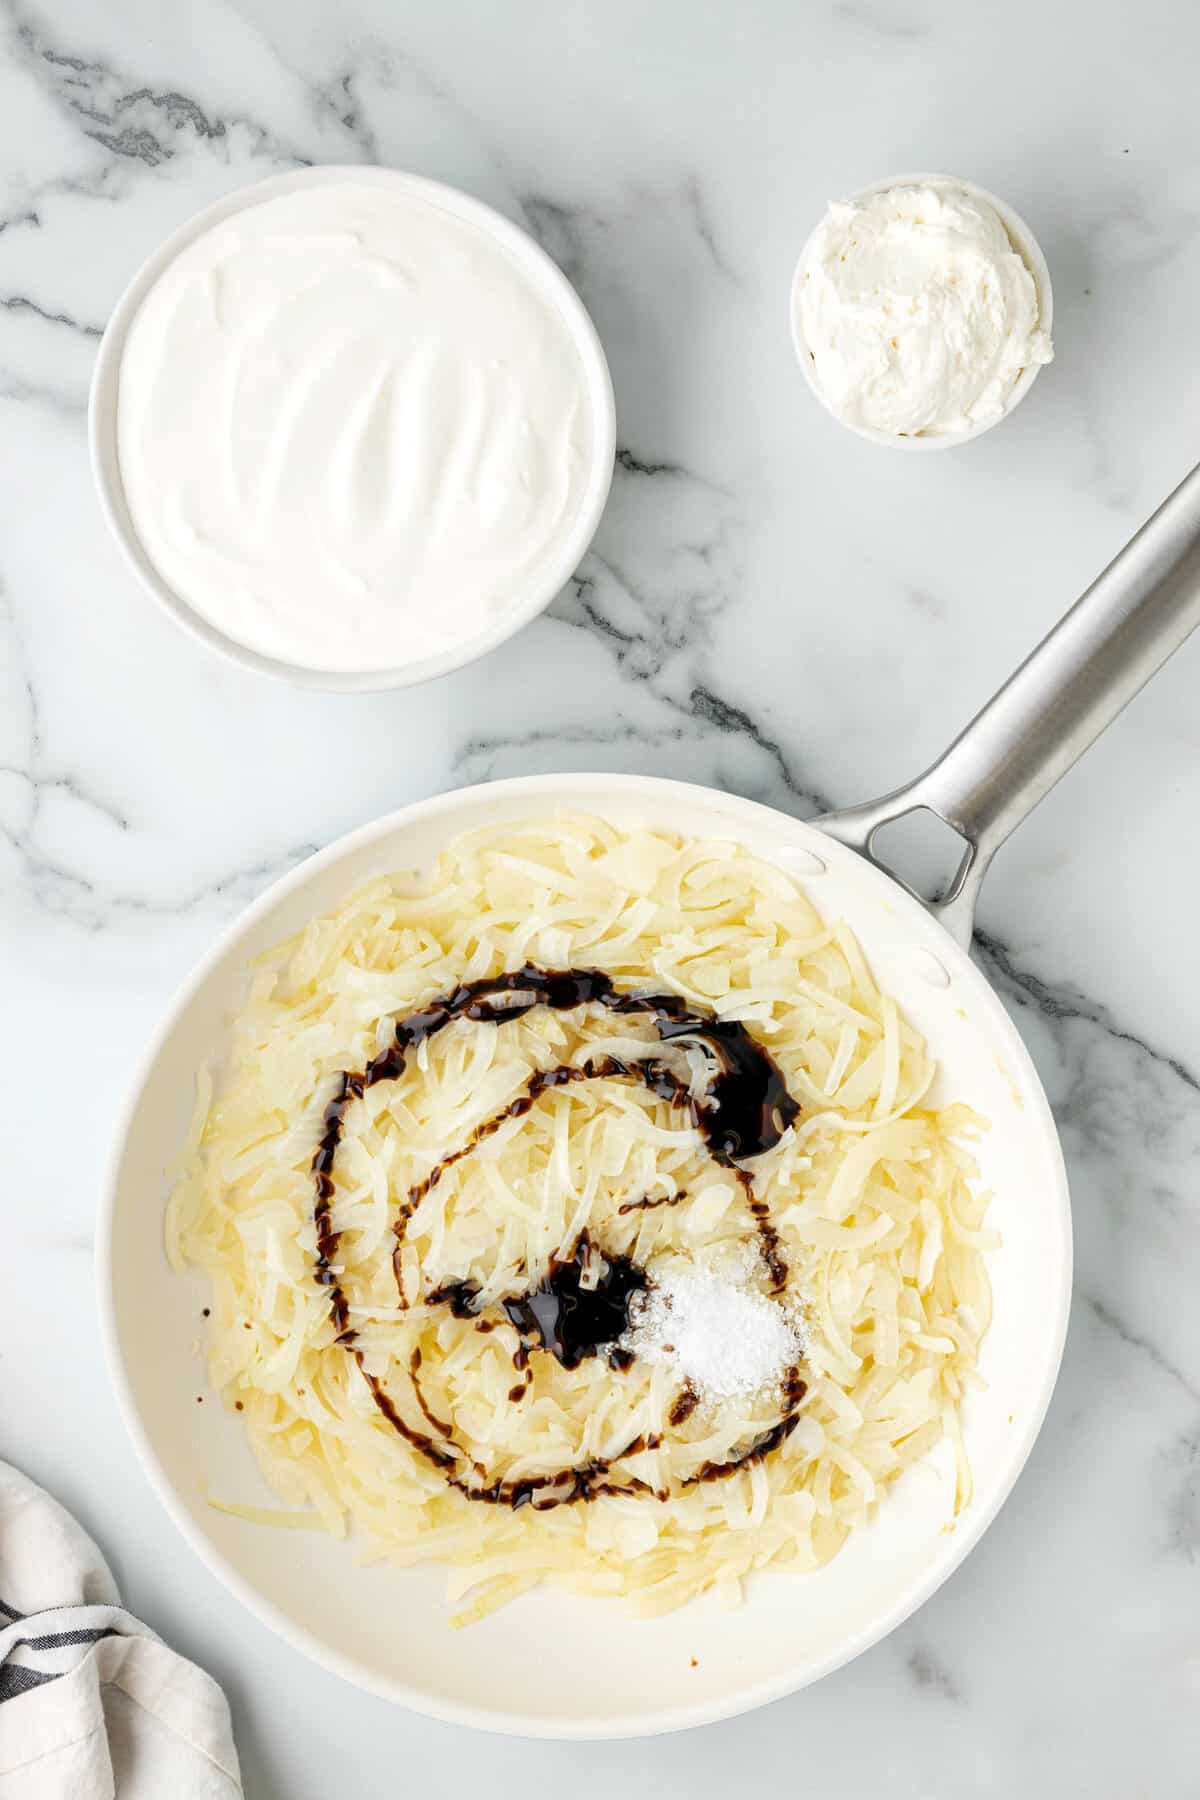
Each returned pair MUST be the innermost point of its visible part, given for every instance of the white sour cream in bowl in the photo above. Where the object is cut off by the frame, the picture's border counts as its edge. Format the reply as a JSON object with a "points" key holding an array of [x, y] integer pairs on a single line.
{"points": [[353, 427]]}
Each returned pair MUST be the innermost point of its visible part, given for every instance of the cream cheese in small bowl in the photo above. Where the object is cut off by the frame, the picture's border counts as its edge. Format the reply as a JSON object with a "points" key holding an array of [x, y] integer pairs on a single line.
{"points": [[921, 311], [352, 427]]}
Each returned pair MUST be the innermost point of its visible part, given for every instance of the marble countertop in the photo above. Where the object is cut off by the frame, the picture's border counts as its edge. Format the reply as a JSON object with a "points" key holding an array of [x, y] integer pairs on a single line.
{"points": [[771, 605]]}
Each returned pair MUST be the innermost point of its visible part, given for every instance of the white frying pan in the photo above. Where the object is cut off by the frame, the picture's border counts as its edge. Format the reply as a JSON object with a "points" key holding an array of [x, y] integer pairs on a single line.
{"points": [[550, 1665]]}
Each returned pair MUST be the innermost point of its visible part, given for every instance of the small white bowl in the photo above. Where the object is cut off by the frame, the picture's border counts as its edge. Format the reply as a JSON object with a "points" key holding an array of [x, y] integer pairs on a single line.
{"points": [[541, 273], [1027, 248]]}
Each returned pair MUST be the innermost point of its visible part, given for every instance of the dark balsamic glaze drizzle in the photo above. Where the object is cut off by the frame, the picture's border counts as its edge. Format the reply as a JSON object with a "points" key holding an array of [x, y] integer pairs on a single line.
{"points": [[560, 1314], [462, 1297], [686, 1402], [573, 1321], [759, 1450], [632, 1206], [561, 1488], [744, 1112], [443, 1428]]}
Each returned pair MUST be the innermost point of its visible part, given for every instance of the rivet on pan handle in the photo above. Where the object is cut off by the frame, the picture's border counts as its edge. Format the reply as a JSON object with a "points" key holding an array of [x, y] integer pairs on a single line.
{"points": [[1119, 634]]}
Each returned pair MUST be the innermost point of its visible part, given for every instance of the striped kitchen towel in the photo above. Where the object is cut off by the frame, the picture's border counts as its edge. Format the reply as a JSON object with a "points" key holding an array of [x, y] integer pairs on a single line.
{"points": [[93, 1706]]}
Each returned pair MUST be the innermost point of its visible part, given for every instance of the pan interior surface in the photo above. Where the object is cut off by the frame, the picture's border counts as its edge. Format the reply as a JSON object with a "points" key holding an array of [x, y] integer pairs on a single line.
{"points": [[550, 1664]]}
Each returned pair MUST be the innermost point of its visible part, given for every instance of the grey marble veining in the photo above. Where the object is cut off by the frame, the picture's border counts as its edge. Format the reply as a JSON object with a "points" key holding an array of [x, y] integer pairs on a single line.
{"points": [[771, 606]]}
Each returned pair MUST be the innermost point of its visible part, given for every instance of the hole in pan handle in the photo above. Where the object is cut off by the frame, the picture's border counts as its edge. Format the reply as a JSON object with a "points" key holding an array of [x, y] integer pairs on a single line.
{"points": [[1116, 636]]}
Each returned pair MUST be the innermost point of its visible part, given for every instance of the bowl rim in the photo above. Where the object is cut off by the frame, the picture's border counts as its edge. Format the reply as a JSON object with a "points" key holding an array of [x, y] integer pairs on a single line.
{"points": [[671, 1718], [524, 254], [1023, 242]]}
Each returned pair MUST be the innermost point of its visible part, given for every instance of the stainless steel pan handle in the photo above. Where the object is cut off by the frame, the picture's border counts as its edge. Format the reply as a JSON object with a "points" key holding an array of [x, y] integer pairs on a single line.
{"points": [[1122, 630]]}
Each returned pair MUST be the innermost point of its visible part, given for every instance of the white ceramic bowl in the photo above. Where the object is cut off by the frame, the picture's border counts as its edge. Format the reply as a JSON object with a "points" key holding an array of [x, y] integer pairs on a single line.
{"points": [[551, 1664], [1026, 246], [542, 274]]}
